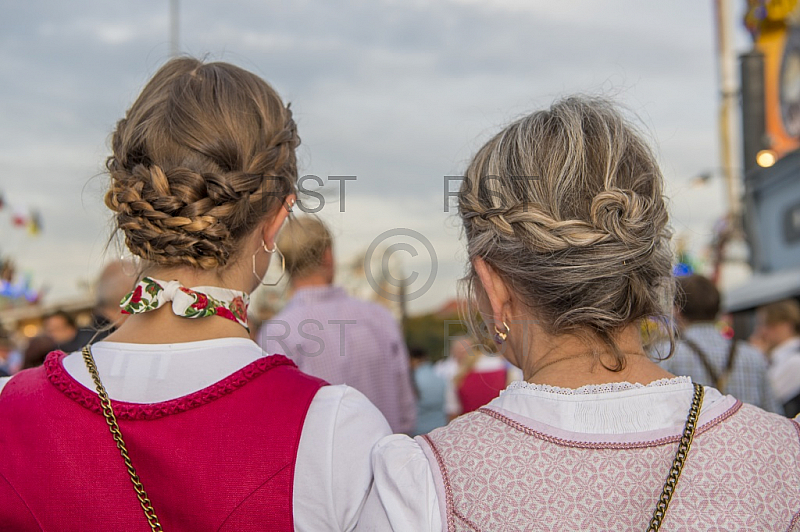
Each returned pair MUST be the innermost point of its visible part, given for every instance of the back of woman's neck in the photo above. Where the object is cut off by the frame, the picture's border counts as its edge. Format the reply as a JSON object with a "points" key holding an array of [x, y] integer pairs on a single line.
{"points": [[162, 326], [582, 371], [572, 361]]}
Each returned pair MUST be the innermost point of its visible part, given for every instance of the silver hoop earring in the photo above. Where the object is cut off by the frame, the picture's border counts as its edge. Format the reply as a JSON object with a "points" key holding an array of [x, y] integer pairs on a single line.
{"points": [[270, 251], [131, 264]]}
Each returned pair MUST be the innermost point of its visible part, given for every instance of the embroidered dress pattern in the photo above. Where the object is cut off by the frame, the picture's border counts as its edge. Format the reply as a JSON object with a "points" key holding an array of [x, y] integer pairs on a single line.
{"points": [[485, 466], [200, 302]]}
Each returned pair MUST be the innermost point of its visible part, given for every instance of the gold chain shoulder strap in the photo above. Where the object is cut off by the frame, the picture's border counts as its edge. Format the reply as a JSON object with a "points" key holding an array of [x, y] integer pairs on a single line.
{"points": [[105, 402], [680, 457]]}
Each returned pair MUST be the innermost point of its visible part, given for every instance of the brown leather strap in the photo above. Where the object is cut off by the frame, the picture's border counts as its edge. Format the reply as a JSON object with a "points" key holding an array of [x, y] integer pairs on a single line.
{"points": [[719, 381]]}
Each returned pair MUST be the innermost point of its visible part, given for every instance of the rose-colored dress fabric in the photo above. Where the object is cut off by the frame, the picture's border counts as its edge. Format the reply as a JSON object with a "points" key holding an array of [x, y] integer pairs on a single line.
{"points": [[222, 458], [479, 388], [497, 472]]}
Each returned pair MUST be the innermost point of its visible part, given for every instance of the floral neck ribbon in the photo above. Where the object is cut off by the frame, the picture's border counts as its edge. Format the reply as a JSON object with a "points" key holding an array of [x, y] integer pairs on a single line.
{"points": [[198, 302]]}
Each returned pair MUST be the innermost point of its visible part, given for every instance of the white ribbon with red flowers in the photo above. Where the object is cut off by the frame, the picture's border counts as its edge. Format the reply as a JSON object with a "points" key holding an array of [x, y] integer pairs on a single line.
{"points": [[197, 302]]}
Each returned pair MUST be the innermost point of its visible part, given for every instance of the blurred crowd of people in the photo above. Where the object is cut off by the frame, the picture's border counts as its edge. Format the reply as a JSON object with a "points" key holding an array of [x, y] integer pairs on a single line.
{"points": [[764, 370], [555, 416], [59, 329]]}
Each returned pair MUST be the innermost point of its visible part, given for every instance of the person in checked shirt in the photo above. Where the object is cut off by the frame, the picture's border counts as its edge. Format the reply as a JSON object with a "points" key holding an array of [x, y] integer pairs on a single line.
{"points": [[706, 356], [334, 336]]}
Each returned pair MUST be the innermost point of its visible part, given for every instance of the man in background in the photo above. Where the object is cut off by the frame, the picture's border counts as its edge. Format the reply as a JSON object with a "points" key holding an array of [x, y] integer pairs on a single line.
{"points": [[336, 337], [62, 329], [705, 355], [116, 280], [777, 329]]}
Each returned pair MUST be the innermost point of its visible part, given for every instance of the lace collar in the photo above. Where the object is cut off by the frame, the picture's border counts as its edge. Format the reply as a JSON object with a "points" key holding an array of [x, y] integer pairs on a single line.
{"points": [[590, 389]]}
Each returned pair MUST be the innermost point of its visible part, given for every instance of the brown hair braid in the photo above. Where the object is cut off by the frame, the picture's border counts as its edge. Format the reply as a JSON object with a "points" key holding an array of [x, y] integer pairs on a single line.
{"points": [[202, 156]]}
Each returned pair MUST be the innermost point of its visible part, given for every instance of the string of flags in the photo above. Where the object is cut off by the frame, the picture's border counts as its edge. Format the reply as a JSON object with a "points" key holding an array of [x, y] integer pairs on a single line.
{"points": [[23, 217]]}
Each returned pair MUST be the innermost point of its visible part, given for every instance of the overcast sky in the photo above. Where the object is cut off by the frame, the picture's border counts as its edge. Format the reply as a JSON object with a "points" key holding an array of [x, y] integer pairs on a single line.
{"points": [[396, 93]]}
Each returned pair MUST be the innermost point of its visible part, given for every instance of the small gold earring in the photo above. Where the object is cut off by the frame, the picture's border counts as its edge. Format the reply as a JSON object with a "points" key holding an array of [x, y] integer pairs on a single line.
{"points": [[500, 336]]}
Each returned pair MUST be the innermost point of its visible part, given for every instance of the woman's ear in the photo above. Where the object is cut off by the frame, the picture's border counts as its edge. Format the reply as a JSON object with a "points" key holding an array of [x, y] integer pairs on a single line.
{"points": [[272, 227], [496, 290]]}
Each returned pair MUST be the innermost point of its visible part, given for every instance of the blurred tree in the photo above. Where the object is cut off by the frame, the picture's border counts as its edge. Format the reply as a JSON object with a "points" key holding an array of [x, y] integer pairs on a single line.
{"points": [[428, 331]]}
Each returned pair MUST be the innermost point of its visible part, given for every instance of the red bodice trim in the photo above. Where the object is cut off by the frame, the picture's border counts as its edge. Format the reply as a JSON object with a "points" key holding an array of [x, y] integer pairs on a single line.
{"points": [[58, 376]]}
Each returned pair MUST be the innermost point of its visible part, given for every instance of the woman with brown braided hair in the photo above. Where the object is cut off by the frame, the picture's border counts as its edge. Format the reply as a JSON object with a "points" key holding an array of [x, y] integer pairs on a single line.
{"points": [[206, 431], [567, 236]]}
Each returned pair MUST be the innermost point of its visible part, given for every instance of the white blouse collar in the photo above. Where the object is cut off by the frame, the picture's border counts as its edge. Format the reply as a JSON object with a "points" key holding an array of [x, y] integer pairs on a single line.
{"points": [[592, 389], [614, 408]]}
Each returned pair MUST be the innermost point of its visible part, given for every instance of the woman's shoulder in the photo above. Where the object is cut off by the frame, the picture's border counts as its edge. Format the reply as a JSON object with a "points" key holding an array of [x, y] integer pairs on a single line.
{"points": [[398, 446], [27, 381], [404, 493], [746, 429], [767, 424], [414, 456], [333, 471], [344, 409], [337, 396]]}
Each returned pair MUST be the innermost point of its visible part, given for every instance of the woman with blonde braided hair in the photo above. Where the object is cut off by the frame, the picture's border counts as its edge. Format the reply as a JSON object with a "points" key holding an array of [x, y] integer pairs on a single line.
{"points": [[568, 241], [207, 432]]}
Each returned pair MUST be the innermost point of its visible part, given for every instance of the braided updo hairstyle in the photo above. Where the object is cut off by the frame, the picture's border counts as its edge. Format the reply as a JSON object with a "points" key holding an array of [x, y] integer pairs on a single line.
{"points": [[205, 153], [567, 206]]}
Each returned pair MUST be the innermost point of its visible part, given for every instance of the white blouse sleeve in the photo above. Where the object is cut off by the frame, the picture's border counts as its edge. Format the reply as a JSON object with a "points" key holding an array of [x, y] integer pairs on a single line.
{"points": [[333, 472], [403, 495], [3, 382]]}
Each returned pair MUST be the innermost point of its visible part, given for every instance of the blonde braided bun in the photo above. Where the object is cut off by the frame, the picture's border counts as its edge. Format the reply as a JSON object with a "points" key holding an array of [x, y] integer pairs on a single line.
{"points": [[205, 153], [567, 205]]}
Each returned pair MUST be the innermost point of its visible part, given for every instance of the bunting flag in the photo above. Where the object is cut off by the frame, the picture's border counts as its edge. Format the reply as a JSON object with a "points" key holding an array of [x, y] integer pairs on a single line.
{"points": [[34, 223], [22, 217], [19, 218]]}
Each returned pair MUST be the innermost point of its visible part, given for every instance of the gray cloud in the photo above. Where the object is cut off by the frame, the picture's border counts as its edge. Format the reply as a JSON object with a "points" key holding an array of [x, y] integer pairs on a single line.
{"points": [[397, 93]]}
